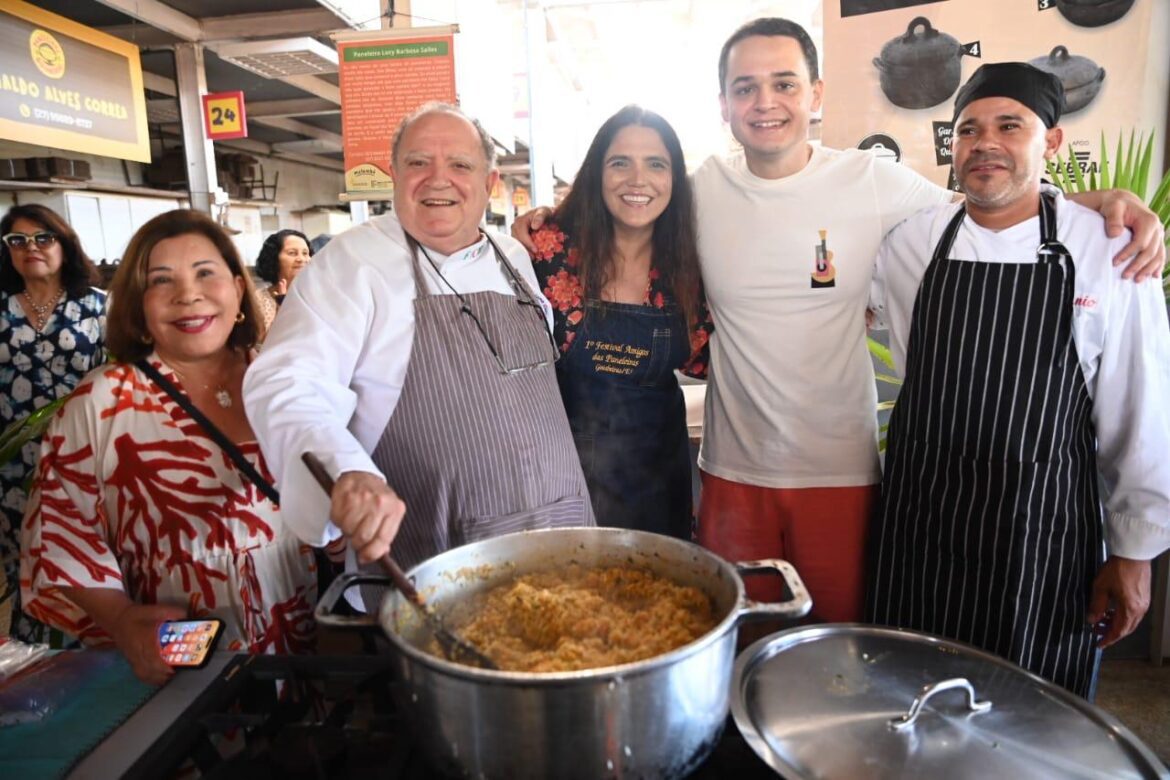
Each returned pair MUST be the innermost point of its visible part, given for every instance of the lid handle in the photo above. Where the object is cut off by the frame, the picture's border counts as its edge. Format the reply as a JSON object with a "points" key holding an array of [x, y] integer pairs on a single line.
{"points": [[919, 21], [796, 607], [907, 720]]}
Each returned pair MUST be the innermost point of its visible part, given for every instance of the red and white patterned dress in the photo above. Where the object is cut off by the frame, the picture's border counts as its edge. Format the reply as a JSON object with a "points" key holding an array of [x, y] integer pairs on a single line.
{"points": [[132, 494]]}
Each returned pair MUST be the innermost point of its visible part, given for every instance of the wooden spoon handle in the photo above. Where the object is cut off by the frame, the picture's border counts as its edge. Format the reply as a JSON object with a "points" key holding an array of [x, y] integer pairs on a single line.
{"points": [[317, 469]]}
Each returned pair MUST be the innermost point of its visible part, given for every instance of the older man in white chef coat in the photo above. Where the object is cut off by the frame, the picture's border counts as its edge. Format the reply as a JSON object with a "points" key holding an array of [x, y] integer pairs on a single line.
{"points": [[1031, 370], [414, 358]]}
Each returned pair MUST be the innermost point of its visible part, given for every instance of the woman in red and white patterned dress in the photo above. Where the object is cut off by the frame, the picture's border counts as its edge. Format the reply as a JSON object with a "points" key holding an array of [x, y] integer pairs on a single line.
{"points": [[137, 516]]}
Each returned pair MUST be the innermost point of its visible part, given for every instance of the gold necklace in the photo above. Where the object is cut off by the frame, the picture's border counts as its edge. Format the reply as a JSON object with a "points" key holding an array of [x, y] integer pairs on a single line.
{"points": [[222, 396], [41, 311]]}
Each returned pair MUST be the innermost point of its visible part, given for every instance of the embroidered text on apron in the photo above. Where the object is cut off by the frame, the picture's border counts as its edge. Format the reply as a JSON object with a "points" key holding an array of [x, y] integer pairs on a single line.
{"points": [[990, 530], [472, 451], [628, 415]]}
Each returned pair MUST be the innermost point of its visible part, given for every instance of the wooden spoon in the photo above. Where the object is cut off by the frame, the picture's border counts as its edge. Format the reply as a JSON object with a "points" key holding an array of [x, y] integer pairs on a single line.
{"points": [[454, 647]]}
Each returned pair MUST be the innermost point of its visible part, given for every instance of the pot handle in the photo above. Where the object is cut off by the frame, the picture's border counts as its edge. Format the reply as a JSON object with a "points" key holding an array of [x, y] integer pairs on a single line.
{"points": [[916, 707], [324, 611], [877, 63], [1058, 55], [796, 607], [924, 23]]}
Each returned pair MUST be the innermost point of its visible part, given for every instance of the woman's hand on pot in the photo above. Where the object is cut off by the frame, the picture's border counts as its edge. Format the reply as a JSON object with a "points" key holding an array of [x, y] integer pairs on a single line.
{"points": [[135, 632], [368, 512], [528, 223]]}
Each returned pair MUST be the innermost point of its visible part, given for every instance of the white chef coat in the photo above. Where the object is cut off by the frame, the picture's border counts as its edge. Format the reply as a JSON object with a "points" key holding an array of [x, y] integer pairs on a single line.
{"points": [[1122, 338], [332, 368]]}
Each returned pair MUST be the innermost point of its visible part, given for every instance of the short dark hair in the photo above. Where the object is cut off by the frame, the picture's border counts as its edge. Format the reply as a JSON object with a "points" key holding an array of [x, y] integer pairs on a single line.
{"points": [[268, 261], [771, 26], [78, 273], [126, 334], [584, 216]]}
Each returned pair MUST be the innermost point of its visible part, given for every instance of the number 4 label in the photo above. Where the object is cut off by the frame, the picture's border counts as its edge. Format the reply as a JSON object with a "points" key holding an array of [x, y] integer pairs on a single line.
{"points": [[1044, 5], [973, 49]]}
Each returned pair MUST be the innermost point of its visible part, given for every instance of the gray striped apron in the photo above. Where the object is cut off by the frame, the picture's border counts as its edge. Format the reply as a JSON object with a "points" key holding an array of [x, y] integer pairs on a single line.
{"points": [[472, 451], [990, 528]]}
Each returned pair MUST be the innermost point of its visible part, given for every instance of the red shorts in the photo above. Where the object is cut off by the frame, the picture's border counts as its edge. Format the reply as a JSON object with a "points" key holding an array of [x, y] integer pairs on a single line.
{"points": [[820, 531]]}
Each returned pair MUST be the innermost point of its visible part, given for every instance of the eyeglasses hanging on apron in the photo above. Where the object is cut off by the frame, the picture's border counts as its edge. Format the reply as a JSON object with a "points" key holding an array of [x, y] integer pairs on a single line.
{"points": [[524, 297]]}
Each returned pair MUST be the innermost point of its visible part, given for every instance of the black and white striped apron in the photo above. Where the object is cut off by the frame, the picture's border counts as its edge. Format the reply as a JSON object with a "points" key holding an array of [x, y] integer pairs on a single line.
{"points": [[990, 529], [474, 452]]}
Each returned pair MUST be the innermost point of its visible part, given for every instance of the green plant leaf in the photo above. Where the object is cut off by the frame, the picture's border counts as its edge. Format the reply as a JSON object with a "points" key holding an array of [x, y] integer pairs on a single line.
{"points": [[1119, 161], [880, 352], [884, 406], [1076, 171], [1143, 169], [1106, 180], [888, 379], [20, 432]]}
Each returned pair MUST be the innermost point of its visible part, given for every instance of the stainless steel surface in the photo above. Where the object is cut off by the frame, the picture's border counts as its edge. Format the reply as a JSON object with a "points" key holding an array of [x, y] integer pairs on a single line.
{"points": [[817, 702], [911, 717], [115, 754], [657, 718]]}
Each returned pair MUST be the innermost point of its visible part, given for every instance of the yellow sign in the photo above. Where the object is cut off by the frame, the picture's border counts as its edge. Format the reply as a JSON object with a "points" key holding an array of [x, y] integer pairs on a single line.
{"points": [[223, 116], [47, 54], [68, 86]]}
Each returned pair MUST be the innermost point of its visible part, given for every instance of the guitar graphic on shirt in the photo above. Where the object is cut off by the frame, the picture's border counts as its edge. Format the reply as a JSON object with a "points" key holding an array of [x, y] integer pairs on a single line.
{"points": [[824, 273]]}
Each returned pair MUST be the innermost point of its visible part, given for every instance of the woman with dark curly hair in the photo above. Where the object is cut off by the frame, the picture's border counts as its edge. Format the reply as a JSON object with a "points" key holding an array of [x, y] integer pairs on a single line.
{"points": [[282, 257], [51, 326], [620, 265]]}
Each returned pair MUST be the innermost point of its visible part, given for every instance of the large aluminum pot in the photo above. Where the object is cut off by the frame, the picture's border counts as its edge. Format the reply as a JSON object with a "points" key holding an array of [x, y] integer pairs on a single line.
{"points": [[657, 718]]}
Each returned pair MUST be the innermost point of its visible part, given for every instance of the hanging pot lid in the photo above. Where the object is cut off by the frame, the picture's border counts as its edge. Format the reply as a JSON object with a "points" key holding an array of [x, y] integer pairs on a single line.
{"points": [[922, 46], [848, 700], [1073, 70]]}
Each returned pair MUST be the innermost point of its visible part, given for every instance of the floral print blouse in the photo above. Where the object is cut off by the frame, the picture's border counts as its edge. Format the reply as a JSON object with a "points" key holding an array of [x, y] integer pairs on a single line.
{"points": [[556, 262], [37, 368]]}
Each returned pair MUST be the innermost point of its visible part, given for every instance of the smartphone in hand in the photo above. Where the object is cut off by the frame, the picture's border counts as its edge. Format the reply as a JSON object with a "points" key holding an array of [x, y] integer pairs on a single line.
{"points": [[188, 644]]}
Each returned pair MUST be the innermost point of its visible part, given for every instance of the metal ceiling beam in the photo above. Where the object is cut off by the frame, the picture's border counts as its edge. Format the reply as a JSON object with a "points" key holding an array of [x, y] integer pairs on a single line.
{"points": [[315, 86], [296, 107], [176, 25], [156, 14], [160, 84], [271, 24], [301, 128]]}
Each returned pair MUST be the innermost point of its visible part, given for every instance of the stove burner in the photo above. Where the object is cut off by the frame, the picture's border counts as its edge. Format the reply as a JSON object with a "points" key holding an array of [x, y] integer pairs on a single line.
{"points": [[333, 719]]}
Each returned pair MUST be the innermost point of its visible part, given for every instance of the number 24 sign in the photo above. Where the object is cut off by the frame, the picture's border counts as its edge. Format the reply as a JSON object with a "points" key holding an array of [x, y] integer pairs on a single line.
{"points": [[223, 116]]}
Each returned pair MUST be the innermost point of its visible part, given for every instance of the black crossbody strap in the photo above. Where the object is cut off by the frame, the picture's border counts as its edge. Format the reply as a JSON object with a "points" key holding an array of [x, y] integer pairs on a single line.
{"points": [[233, 452]]}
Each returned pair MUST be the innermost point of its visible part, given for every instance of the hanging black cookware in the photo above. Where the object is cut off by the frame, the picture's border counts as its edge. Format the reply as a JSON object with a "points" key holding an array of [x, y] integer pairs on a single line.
{"points": [[921, 68], [1080, 76], [1093, 13]]}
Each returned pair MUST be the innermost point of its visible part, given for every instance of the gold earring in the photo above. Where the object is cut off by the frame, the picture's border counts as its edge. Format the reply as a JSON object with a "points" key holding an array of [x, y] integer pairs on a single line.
{"points": [[240, 317]]}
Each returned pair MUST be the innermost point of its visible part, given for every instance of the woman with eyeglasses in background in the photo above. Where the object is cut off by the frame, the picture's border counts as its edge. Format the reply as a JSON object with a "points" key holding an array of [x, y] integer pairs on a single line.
{"points": [[284, 254], [619, 262], [51, 334]]}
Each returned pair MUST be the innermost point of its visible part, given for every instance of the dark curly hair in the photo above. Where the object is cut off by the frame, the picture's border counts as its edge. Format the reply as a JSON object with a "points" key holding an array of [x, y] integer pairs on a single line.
{"points": [[78, 273], [268, 261], [584, 216]]}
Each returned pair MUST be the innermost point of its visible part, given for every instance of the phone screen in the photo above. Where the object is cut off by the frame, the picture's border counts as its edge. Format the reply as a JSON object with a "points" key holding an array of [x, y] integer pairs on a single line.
{"points": [[188, 643]]}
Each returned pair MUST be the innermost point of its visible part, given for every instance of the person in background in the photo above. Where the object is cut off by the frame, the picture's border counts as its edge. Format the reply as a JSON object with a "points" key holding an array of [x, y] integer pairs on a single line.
{"points": [[51, 334], [284, 254], [788, 233], [414, 359], [1033, 374], [620, 265], [153, 501]]}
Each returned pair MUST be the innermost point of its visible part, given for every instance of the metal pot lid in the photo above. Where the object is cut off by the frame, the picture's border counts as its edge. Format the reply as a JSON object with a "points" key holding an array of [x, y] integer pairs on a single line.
{"points": [[921, 46], [838, 701], [1072, 70]]}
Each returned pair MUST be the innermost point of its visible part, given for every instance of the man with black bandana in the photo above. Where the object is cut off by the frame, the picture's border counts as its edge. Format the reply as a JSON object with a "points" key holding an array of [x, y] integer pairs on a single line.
{"points": [[1032, 374]]}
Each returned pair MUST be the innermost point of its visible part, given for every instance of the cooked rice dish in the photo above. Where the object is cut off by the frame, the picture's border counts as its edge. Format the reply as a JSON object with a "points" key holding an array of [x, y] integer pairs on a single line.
{"points": [[581, 617]]}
